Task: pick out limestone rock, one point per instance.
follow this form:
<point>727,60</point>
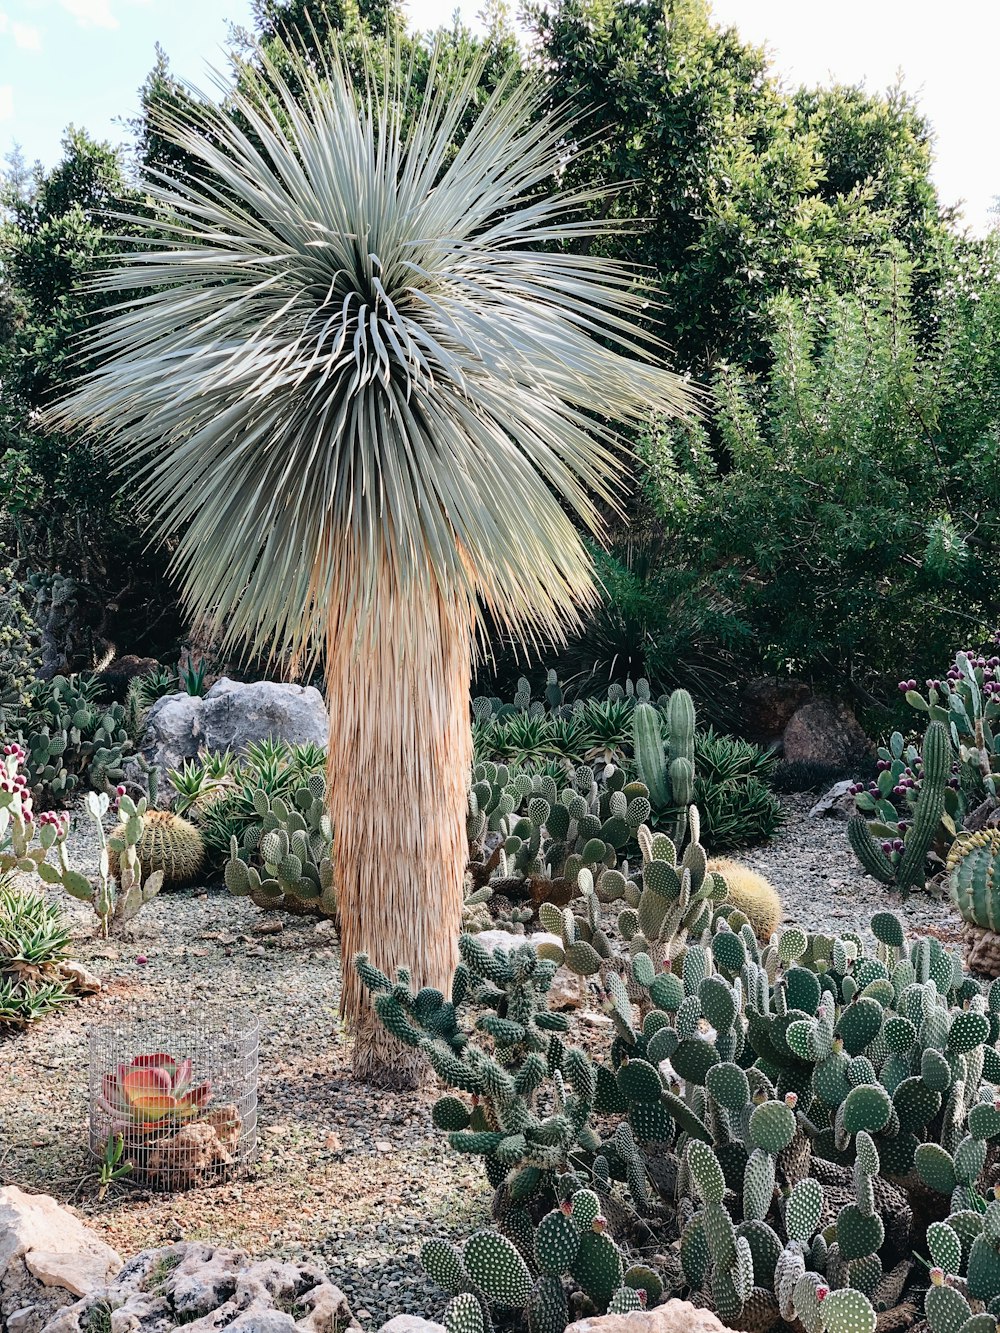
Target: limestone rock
<point>173,731</point>
<point>206,1288</point>
<point>231,716</point>
<point>837,803</point>
<point>411,1323</point>
<point>82,981</point>
<point>672,1317</point>
<point>47,1257</point>
<point>825,732</point>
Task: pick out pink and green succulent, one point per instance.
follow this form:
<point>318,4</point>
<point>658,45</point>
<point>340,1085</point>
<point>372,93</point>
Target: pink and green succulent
<point>154,1092</point>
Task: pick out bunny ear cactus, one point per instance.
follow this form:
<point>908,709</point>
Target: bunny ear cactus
<point>490,1274</point>
<point>293,858</point>
<point>741,1081</point>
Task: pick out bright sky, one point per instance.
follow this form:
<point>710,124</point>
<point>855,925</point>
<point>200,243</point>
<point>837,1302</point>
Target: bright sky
<point>82,61</point>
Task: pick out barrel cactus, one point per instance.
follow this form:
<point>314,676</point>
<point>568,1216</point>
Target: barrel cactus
<point>169,845</point>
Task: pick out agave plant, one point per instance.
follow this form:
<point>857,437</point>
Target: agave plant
<point>154,1092</point>
<point>400,370</point>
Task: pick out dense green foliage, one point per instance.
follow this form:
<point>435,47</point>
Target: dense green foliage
<point>849,519</point>
<point>61,512</point>
<point>735,190</point>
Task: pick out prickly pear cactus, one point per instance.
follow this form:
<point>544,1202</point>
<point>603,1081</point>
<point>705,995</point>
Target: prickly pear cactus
<point>292,867</point>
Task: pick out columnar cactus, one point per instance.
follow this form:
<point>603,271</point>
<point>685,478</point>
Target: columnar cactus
<point>664,756</point>
<point>906,865</point>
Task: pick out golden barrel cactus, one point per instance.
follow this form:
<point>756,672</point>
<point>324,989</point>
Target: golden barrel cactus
<point>751,894</point>
<point>169,844</point>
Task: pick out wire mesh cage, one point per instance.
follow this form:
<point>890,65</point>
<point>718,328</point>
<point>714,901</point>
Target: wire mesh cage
<point>181,1091</point>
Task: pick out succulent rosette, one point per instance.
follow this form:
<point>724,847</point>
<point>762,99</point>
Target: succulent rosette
<point>154,1092</point>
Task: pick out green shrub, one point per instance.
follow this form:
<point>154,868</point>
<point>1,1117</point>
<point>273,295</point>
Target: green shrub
<point>841,513</point>
<point>20,657</point>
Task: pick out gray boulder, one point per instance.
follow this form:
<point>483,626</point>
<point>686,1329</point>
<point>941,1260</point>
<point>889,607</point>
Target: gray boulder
<point>825,732</point>
<point>206,1288</point>
<point>231,716</point>
<point>837,803</point>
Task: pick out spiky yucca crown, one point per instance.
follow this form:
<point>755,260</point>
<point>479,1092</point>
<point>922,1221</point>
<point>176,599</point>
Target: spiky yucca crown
<point>751,894</point>
<point>168,843</point>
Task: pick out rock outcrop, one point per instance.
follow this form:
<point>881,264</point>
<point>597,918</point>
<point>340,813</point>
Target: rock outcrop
<point>48,1259</point>
<point>232,716</point>
<point>206,1288</point>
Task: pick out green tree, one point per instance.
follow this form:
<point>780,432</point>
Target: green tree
<point>62,515</point>
<point>381,418</point>
<point>727,188</point>
<point>852,533</point>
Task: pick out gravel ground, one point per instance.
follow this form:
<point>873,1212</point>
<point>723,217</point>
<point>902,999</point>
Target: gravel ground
<point>822,886</point>
<point>356,1177</point>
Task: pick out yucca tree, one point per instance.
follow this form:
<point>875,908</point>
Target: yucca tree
<point>377,385</point>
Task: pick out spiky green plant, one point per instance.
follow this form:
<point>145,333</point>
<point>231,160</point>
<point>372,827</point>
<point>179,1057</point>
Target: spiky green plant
<point>398,376</point>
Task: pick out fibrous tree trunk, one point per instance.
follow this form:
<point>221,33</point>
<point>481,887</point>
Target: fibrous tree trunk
<point>398,766</point>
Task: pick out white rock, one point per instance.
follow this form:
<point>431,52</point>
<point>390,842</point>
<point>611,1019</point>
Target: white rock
<point>503,939</point>
<point>411,1323</point>
<point>207,1288</point>
<point>57,1249</point>
<point>231,716</point>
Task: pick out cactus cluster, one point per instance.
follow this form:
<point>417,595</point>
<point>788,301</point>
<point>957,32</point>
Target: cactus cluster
<point>565,833</point>
<point>724,776</point>
<point>72,739</point>
<point>26,842</point>
<point>964,1292</point>
<point>664,755</point>
<point>795,1108</point>
<point>921,800</point>
<point>567,1261</point>
<point>902,860</point>
<point>287,861</point>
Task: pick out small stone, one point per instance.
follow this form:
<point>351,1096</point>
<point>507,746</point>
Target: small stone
<point>269,928</point>
<point>383,1145</point>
